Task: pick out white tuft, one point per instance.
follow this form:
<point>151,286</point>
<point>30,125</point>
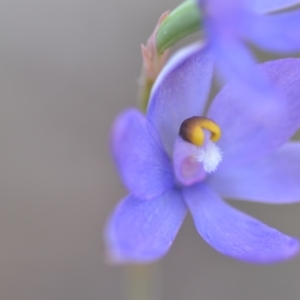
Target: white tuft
<point>210,156</point>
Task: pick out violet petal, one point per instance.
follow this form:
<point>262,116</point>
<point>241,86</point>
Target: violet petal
<point>252,128</point>
<point>274,179</point>
<point>143,231</point>
<point>187,168</point>
<point>143,165</point>
<point>266,6</point>
<point>180,92</point>
<point>235,62</point>
<point>234,233</point>
<point>224,23</point>
<point>269,34</point>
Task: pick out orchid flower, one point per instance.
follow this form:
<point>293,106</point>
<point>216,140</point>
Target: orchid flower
<point>179,158</point>
<point>228,24</point>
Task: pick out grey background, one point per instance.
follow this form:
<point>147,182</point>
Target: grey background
<point>67,68</point>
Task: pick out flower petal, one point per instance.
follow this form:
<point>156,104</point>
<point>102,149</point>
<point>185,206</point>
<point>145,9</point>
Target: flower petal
<point>257,6</point>
<point>252,128</point>
<point>274,179</point>
<point>235,62</point>
<point>234,233</point>
<point>233,59</point>
<point>144,167</point>
<point>143,231</point>
<point>224,22</point>
<point>187,168</point>
<point>180,92</point>
<point>266,6</point>
<point>269,34</point>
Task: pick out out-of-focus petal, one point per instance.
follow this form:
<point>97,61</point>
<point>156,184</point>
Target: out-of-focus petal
<point>256,6</point>
<point>143,231</point>
<point>187,168</point>
<point>235,62</point>
<point>180,92</point>
<point>234,233</point>
<point>274,179</point>
<point>222,10</point>
<point>277,33</point>
<point>254,127</point>
<point>143,165</point>
<point>266,6</point>
<point>224,22</point>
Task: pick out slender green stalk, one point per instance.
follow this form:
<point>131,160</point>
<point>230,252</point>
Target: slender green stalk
<point>171,28</point>
<point>144,95</point>
<point>143,282</point>
<point>181,22</point>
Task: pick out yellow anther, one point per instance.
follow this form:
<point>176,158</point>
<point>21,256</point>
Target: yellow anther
<point>197,136</point>
<point>210,125</point>
<point>191,130</point>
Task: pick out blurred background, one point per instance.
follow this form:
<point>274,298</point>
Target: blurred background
<point>67,68</point>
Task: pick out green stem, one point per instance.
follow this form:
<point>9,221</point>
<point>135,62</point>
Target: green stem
<point>144,95</point>
<point>181,22</point>
<point>143,282</point>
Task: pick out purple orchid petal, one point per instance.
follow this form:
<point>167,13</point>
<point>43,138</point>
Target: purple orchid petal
<point>252,128</point>
<point>274,179</point>
<point>269,33</point>
<point>180,92</point>
<point>187,168</point>
<point>265,6</point>
<point>256,6</point>
<point>143,231</point>
<point>234,233</point>
<point>224,21</point>
<point>232,58</point>
<point>235,62</point>
<point>144,167</point>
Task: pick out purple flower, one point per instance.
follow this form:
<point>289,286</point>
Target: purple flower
<point>229,23</point>
<point>267,6</point>
<point>166,174</point>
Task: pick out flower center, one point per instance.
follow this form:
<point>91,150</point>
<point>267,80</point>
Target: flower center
<point>195,152</point>
<point>210,156</point>
<point>192,130</point>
